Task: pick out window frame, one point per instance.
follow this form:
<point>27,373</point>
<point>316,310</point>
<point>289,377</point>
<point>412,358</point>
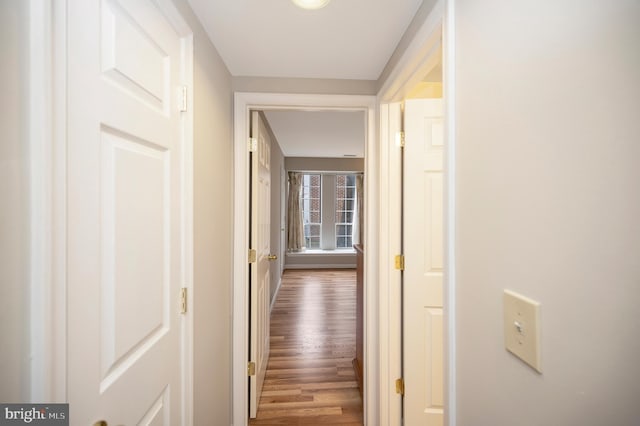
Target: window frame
<point>328,211</point>
<point>346,212</point>
<point>307,199</point>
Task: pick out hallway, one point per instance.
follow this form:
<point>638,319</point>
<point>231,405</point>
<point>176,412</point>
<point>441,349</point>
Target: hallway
<point>310,379</point>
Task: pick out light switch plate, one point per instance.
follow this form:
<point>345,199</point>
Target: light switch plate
<point>522,328</point>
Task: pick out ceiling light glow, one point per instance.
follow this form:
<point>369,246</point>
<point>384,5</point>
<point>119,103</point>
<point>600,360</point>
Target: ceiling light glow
<point>311,4</point>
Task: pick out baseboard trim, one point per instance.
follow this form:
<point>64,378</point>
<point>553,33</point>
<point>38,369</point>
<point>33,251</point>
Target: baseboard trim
<point>321,266</point>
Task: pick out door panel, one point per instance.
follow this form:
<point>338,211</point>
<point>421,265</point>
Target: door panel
<point>131,59</point>
<point>260,270</point>
<point>135,186</point>
<point>125,214</point>
<point>423,274</point>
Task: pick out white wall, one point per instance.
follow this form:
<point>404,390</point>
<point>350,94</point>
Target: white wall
<point>548,204</point>
<point>14,207</point>
<point>212,229</point>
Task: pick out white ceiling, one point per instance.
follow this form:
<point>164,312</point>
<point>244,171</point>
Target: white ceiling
<point>347,39</point>
<point>319,133</point>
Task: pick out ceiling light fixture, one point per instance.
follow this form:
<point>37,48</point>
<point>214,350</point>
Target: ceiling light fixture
<point>311,4</point>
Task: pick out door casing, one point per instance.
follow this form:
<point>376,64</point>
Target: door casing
<point>243,103</point>
<point>47,143</point>
<point>434,37</point>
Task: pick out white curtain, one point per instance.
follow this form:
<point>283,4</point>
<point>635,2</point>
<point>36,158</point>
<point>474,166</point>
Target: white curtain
<point>357,230</point>
<point>295,234</point>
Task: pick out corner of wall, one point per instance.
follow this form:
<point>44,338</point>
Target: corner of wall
<point>213,239</point>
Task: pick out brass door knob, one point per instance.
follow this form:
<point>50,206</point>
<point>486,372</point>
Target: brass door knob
<point>100,423</point>
<point>272,257</point>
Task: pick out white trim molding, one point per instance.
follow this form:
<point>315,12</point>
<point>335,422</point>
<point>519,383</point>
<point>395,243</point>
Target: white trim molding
<point>47,200</point>
<point>244,103</point>
<point>449,81</point>
<point>390,278</point>
<point>435,37</point>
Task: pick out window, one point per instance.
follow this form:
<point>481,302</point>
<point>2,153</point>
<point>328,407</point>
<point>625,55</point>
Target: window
<point>328,203</point>
<point>345,205</point>
<point>311,210</point>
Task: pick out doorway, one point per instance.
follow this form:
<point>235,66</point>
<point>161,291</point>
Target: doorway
<point>427,55</point>
<point>321,154</point>
<point>244,103</point>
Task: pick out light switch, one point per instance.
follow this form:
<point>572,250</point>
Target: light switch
<point>522,328</point>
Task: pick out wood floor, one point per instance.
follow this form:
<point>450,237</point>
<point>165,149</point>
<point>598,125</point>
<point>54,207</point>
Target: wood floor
<point>310,379</point>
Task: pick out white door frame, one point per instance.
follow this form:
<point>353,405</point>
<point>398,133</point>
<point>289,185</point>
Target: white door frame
<point>47,201</point>
<point>435,36</point>
<point>244,102</point>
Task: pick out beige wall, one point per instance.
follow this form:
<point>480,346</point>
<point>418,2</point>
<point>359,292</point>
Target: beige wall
<point>212,228</point>
<point>14,207</point>
<point>548,205</point>
<point>304,85</point>
<point>302,164</point>
<point>426,90</point>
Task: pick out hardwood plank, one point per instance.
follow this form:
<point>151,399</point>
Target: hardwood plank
<point>310,378</point>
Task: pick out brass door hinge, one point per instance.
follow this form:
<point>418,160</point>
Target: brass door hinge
<point>251,368</point>
<point>253,255</point>
<point>400,139</point>
<point>399,262</point>
<point>400,386</point>
<point>253,144</point>
<point>183,300</point>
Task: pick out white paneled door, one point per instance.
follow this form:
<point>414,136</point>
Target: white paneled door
<point>260,268</point>
<point>125,209</point>
<point>423,274</point>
